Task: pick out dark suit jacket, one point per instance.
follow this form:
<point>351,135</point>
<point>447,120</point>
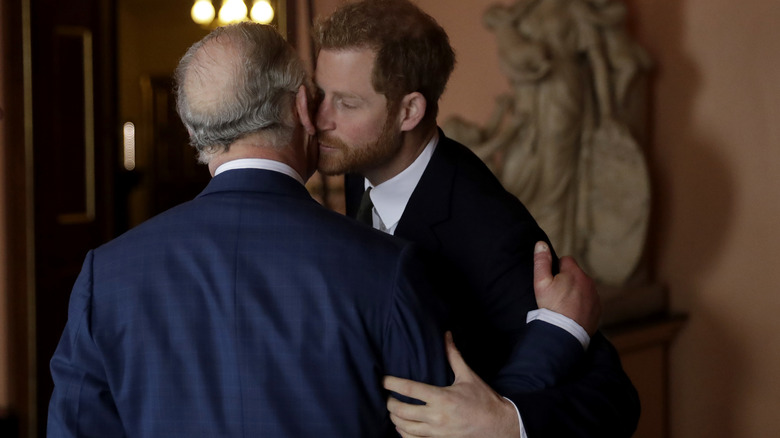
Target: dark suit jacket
<point>481,237</point>
<point>250,311</point>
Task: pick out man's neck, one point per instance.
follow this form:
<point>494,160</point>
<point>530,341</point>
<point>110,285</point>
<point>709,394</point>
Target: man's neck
<point>255,146</point>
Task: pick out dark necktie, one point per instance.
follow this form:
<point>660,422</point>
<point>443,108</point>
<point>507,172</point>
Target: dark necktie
<point>366,208</point>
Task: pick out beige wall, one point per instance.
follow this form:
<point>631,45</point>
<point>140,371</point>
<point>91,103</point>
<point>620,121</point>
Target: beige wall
<point>716,159</point>
<point>715,162</point>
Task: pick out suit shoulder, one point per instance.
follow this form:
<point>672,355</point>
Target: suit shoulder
<point>152,228</point>
<point>351,230</point>
<point>476,191</point>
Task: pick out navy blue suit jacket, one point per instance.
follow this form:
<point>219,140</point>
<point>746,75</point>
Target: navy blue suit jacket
<point>480,240</point>
<point>249,311</point>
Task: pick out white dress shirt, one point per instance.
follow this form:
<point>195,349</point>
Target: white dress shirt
<point>390,197</point>
<point>259,163</point>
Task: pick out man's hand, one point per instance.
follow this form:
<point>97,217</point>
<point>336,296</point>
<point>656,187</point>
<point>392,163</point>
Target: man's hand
<point>571,293</point>
<point>468,408</point>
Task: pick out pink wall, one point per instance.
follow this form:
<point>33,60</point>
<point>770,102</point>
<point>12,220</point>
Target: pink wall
<point>715,163</point>
<point>716,159</point>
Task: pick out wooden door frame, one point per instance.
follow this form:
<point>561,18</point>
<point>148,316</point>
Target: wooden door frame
<point>17,208</point>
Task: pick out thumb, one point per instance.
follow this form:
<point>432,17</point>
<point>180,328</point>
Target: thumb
<point>542,266</point>
<point>458,365</point>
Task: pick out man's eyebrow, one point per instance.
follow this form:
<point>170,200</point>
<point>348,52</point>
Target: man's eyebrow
<point>347,95</point>
<point>341,94</point>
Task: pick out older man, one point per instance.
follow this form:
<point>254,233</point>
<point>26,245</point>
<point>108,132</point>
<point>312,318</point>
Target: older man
<point>250,311</point>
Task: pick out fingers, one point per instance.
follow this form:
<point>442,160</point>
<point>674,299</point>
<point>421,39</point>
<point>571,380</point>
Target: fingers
<point>405,411</point>
<point>410,388</point>
<point>584,303</point>
<point>409,420</point>
<point>542,266</point>
<point>576,276</point>
<point>409,429</point>
<point>568,264</point>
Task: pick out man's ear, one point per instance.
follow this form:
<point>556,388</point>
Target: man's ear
<point>302,106</point>
<point>412,110</point>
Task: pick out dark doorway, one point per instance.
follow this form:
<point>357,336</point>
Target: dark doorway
<point>74,158</point>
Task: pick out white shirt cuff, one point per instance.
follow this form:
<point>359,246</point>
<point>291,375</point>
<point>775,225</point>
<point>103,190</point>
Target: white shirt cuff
<point>561,321</point>
<point>520,419</point>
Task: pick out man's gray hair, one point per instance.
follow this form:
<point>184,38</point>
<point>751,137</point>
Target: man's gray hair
<point>239,79</point>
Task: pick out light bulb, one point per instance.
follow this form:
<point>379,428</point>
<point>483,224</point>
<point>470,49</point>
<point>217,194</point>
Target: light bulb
<point>232,11</point>
<point>202,12</point>
<point>262,12</point>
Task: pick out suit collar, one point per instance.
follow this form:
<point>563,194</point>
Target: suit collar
<point>259,163</point>
<point>256,180</point>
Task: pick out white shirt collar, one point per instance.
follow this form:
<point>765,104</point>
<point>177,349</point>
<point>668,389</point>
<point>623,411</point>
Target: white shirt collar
<point>390,197</point>
<point>259,163</point>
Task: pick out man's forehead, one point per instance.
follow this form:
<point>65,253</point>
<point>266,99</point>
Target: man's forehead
<point>344,65</point>
<point>364,56</point>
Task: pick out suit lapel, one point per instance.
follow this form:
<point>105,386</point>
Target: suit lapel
<point>354,186</point>
<point>429,205</point>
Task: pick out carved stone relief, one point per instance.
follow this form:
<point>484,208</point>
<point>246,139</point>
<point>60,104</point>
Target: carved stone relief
<point>568,138</point>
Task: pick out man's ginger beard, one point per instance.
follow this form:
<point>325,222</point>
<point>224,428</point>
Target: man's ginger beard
<point>359,158</point>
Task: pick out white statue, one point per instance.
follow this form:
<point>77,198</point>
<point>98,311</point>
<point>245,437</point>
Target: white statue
<point>566,140</point>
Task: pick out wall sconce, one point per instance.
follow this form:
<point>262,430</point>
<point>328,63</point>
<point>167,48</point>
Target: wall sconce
<point>231,11</point>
